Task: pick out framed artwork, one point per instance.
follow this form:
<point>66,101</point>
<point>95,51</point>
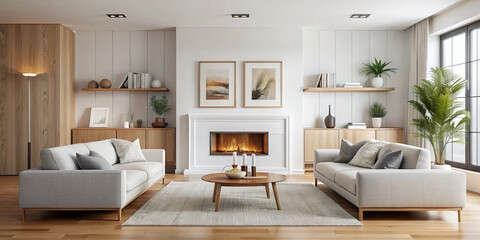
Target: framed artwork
<point>217,84</point>
<point>262,84</point>
<point>99,117</point>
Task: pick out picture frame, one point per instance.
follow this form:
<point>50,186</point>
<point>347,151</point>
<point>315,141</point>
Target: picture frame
<point>217,84</point>
<point>99,117</point>
<point>262,84</point>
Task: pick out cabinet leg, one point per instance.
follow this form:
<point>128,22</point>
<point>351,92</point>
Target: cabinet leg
<point>360,214</point>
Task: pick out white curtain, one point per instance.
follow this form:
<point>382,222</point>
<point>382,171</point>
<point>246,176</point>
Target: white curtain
<point>418,34</point>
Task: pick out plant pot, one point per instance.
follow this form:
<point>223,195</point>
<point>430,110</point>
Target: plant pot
<point>377,82</point>
<point>159,123</point>
<point>441,167</point>
<point>377,122</point>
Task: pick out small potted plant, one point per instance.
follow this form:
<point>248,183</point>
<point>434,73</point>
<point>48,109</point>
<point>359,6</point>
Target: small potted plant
<point>377,68</point>
<point>377,111</point>
<point>160,107</point>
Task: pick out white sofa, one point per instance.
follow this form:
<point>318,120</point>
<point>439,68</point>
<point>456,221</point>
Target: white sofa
<point>60,185</point>
<point>413,187</point>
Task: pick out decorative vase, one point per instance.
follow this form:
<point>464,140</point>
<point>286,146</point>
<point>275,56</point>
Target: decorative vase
<point>126,125</point>
<point>159,123</point>
<point>329,120</point>
<point>132,124</point>
<point>105,83</point>
<point>377,82</point>
<point>139,123</point>
<point>441,167</point>
<point>377,122</point>
<point>156,84</point>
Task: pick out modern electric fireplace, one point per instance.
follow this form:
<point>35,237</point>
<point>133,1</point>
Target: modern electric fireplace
<point>225,143</point>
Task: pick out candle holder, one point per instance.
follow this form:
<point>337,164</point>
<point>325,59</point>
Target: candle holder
<point>244,168</point>
<point>254,171</point>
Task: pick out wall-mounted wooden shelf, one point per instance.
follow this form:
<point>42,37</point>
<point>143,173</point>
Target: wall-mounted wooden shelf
<point>348,89</point>
<point>126,89</point>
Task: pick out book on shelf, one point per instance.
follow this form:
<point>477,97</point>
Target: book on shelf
<point>326,80</point>
<point>124,83</point>
<point>352,85</point>
<point>357,123</point>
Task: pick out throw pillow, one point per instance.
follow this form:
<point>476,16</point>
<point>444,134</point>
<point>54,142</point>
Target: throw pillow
<point>389,160</point>
<point>348,151</point>
<point>367,154</point>
<point>93,161</point>
<point>128,151</point>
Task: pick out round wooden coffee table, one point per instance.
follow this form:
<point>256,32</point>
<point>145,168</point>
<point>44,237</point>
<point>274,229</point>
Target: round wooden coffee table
<point>221,180</point>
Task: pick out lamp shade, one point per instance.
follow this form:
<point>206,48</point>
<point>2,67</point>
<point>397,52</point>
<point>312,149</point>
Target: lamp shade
<point>29,74</point>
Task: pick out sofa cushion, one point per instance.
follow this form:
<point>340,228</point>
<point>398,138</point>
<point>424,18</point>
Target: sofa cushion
<point>151,168</point>
<point>348,151</point>
<point>62,158</point>
<point>389,160</point>
<point>347,180</point>
<point>330,169</point>
<point>128,151</point>
<point>93,161</point>
<point>135,178</point>
<point>367,154</point>
<point>104,148</point>
<point>413,157</point>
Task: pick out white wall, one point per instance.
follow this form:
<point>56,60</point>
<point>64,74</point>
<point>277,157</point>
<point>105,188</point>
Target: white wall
<point>111,54</point>
<point>239,44</point>
<point>344,52</point>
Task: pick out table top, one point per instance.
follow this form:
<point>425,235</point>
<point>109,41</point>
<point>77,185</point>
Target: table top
<point>223,179</point>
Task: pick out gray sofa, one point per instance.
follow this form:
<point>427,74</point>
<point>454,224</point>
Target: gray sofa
<point>413,187</point>
<point>60,185</point>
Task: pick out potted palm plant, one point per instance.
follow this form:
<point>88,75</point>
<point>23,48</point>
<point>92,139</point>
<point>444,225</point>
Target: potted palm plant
<point>377,68</point>
<point>442,118</point>
<point>160,107</point>
<point>377,111</point>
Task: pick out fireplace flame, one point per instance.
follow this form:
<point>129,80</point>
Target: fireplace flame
<point>241,143</point>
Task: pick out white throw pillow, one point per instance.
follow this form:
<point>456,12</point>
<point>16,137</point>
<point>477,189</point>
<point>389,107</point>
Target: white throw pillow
<point>128,151</point>
<point>367,154</point>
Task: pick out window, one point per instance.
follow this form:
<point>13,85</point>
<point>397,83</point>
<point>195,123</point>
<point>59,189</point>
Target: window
<point>460,53</point>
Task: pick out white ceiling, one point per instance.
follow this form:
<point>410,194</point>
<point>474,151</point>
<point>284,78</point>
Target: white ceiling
<point>160,14</point>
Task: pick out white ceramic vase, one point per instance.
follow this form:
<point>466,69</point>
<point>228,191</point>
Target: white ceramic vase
<point>126,124</point>
<point>377,122</point>
<point>377,82</point>
<point>441,167</point>
<point>156,84</point>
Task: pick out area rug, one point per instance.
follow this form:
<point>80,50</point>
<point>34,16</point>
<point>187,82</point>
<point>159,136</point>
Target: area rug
<point>190,204</point>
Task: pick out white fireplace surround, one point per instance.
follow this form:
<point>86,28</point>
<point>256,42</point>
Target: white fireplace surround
<point>201,162</point>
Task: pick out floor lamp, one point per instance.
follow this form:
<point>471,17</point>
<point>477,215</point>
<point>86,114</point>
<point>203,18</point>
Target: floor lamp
<point>29,159</point>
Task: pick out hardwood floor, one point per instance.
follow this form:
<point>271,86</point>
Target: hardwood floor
<point>101,225</point>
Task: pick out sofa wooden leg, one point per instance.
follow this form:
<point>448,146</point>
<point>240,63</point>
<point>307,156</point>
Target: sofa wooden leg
<point>459,215</point>
<point>163,181</point>
<point>316,182</point>
<point>360,214</point>
<point>119,212</point>
<point>24,214</point>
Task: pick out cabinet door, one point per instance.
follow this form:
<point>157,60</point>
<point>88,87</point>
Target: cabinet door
<point>90,135</point>
<point>132,134</point>
<point>319,139</point>
<point>356,135</point>
<point>395,135</point>
<point>163,138</point>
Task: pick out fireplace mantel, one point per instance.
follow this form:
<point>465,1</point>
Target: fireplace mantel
<point>201,126</point>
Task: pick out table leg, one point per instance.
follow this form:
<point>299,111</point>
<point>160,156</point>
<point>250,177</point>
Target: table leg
<point>267,189</point>
<point>217,199</point>
<point>214,192</point>
<point>274,186</point>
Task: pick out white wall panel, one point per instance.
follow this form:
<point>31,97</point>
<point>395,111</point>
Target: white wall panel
<point>156,65</point>
<point>343,56</point>
<point>85,72</point>
<point>170,74</point>
<point>103,69</point>
<point>121,66</point>
<point>310,73</point>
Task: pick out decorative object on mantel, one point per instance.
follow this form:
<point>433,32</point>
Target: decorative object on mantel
<point>329,119</point>
<point>159,107</point>
<point>217,84</point>
<point>326,80</point>
<point>377,68</point>
<point>262,85</point>
<point>139,123</point>
<point>99,117</point>
<point>105,83</point>
<point>441,114</point>
<point>130,117</point>
<point>93,84</point>
<point>156,84</point>
<point>377,111</point>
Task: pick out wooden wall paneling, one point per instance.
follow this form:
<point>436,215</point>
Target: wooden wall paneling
<point>90,135</point>
<point>356,135</point>
<point>156,67</point>
<point>85,73</point>
<point>138,63</point>
<point>132,135</point>
<point>22,63</point>
<point>3,100</point>
<point>67,78</point>
<point>170,74</point>
<point>121,66</point>
<point>396,135</point>
<point>319,139</point>
<point>103,68</point>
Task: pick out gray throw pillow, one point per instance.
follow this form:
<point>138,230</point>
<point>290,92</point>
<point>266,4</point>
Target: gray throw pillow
<point>348,151</point>
<point>389,160</point>
<point>94,161</point>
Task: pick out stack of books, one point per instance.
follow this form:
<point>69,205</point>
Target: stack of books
<point>352,85</point>
<point>326,80</point>
<point>352,125</point>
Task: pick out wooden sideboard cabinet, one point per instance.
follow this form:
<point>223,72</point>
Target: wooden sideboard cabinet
<point>330,138</point>
<point>150,138</point>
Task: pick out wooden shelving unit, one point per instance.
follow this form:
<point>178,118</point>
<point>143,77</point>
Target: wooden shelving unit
<point>126,89</point>
<point>348,89</point>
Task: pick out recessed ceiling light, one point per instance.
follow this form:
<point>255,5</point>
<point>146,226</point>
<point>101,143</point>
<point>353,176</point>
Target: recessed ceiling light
<point>360,15</point>
<point>241,15</point>
<point>116,15</point>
